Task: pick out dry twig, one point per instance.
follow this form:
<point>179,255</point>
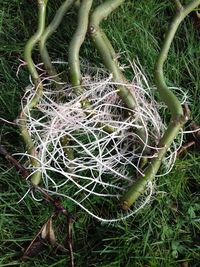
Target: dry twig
<point>37,244</point>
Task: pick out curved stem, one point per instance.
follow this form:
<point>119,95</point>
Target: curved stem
<point>109,58</point>
<point>75,45</point>
<point>178,4</point>
<point>140,186</point>
<point>34,39</point>
<point>178,117</point>
<point>36,177</point>
<point>166,95</point>
<point>74,48</point>
<point>106,50</point>
<point>103,11</point>
<point>48,32</point>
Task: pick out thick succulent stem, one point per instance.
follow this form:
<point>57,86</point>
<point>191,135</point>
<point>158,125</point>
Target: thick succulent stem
<point>74,48</point>
<point>109,58</point>
<point>138,187</point>
<point>52,27</point>
<point>106,50</point>
<point>177,119</point>
<point>36,177</point>
<point>75,45</point>
<point>73,60</point>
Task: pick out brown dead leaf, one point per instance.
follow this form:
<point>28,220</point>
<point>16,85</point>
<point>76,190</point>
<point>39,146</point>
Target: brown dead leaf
<point>47,232</point>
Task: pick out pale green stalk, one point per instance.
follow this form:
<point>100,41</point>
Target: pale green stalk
<point>75,45</point>
<point>106,50</point>
<point>109,57</point>
<point>178,117</point>
<point>74,49</point>
<point>36,177</point>
<point>52,27</point>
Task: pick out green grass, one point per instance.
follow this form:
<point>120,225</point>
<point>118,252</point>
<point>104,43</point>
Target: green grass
<point>167,231</point>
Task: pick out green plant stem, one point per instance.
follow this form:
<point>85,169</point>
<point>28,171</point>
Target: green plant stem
<point>73,59</point>
<point>74,48</point>
<point>109,57</point>
<point>178,4</point>
<point>140,186</point>
<point>34,39</point>
<point>52,27</point>
<point>106,50</point>
<point>177,119</point>
<point>36,177</point>
<point>75,45</point>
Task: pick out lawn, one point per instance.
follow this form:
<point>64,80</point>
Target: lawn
<point>166,232</point>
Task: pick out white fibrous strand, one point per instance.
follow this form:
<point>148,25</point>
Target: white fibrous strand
<point>82,161</point>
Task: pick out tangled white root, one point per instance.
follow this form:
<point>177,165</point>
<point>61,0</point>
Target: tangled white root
<point>81,161</point>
